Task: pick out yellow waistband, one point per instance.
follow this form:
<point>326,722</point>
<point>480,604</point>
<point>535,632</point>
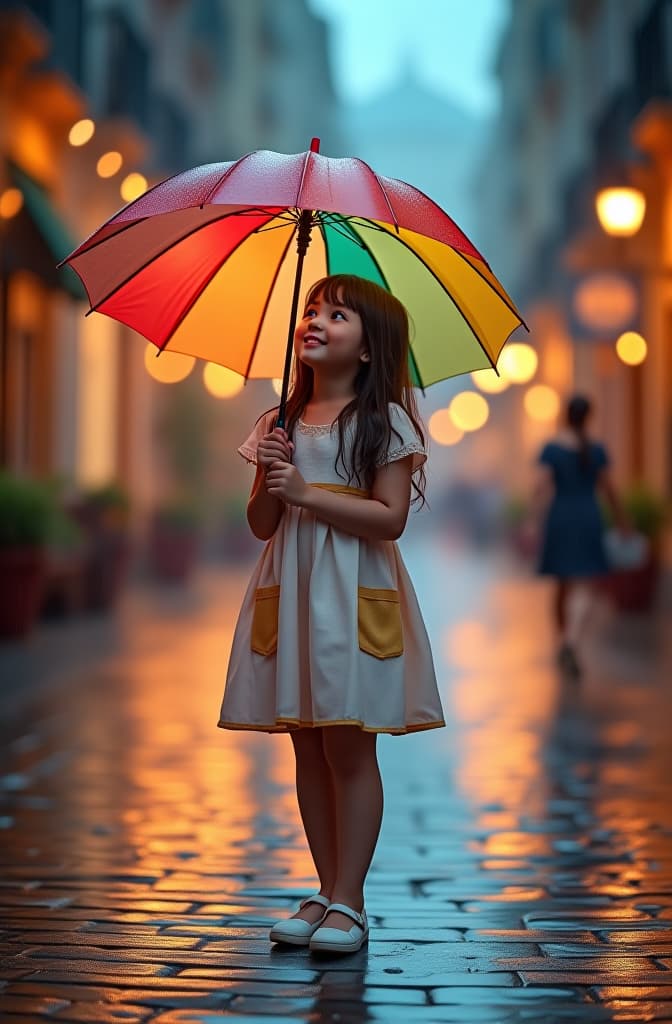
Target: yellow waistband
<point>357,492</point>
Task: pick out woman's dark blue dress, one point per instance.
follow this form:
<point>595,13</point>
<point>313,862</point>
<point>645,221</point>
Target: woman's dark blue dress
<point>573,542</point>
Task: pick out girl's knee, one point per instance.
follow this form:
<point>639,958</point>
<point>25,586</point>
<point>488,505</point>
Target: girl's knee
<point>349,750</point>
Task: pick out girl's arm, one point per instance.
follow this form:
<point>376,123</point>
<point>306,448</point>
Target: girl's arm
<point>263,510</point>
<point>381,517</point>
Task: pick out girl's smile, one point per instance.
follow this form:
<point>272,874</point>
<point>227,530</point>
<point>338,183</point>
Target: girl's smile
<point>334,328</point>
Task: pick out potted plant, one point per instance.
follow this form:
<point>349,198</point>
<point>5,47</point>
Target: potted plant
<point>174,539</point>
<point>67,552</point>
<point>635,589</point>
<point>103,513</point>
<point>25,521</point>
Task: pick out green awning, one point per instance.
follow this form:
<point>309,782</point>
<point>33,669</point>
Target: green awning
<point>52,232</point>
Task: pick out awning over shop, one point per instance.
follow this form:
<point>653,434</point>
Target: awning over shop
<point>37,238</point>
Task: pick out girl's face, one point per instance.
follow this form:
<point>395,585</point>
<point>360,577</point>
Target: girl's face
<point>330,338</point>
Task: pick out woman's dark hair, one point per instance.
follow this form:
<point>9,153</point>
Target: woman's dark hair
<point>578,410</point>
<point>383,379</point>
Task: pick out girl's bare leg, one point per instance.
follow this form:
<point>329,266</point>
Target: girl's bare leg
<point>314,790</point>
<point>351,755</point>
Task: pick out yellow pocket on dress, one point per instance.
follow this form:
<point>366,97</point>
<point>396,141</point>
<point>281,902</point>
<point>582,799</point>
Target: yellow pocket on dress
<point>264,637</point>
<point>379,622</point>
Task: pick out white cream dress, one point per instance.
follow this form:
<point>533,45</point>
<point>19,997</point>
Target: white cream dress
<point>330,631</point>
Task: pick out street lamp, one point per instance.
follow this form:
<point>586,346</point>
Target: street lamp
<point>620,210</point>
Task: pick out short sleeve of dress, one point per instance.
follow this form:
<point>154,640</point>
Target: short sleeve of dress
<point>403,440</point>
<point>546,456</point>
<point>601,456</point>
<point>248,448</point>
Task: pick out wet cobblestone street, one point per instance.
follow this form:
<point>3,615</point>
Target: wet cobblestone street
<point>524,871</point>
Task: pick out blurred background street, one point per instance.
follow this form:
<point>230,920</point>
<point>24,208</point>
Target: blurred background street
<point>524,867</point>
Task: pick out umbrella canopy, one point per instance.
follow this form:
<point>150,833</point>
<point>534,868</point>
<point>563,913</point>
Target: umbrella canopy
<point>205,263</point>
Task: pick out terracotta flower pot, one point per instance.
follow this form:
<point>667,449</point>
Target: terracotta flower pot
<point>22,584</point>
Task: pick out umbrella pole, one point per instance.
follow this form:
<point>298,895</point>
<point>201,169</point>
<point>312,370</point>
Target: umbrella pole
<point>302,243</point>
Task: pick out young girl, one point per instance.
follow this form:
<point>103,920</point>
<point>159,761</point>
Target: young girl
<point>330,644</point>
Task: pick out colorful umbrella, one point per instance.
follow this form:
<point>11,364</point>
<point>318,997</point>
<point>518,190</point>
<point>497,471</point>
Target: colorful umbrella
<point>205,263</point>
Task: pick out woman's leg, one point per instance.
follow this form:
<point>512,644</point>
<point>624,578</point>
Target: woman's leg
<point>579,610</point>
<point>314,790</point>
<point>351,755</point>
<point>560,605</point>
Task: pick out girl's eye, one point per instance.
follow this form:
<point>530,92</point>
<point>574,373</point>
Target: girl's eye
<point>310,312</point>
<point>337,312</point>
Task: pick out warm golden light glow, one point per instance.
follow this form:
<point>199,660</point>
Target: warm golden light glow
<point>442,428</point>
<point>488,381</point>
<point>109,164</point>
<point>222,382</point>
<point>620,210</point>
<point>81,132</point>
<point>276,384</point>
<point>518,363</point>
<point>167,367</point>
<point>542,403</point>
<point>132,186</point>
<point>469,410</point>
<point>631,348</point>
<point>11,202</point>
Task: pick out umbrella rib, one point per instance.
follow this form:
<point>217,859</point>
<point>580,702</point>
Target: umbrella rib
<point>297,204</point>
<point>194,299</point>
<point>509,305</point>
<point>266,305</point>
<point>222,178</point>
<point>383,278</point>
<point>417,255</point>
<point>384,191</point>
<point>119,211</point>
<point>156,256</point>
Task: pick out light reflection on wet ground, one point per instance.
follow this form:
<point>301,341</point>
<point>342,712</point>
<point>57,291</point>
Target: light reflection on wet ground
<point>524,869</point>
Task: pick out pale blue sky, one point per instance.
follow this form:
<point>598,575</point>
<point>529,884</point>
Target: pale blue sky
<point>450,43</point>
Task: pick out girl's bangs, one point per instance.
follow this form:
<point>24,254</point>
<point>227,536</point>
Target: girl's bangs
<point>337,292</point>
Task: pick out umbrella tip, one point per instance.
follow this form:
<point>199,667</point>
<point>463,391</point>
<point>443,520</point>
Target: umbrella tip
<point>314,145</point>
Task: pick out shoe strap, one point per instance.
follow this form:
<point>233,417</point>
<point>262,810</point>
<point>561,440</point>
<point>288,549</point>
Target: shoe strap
<point>317,898</point>
<point>349,912</point>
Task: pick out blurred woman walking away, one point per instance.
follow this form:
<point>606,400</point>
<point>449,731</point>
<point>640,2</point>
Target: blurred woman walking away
<point>573,472</point>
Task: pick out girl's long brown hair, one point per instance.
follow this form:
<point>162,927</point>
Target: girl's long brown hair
<point>385,378</point>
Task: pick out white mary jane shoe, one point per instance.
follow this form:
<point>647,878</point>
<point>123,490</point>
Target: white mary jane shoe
<point>296,931</point>
<point>335,940</point>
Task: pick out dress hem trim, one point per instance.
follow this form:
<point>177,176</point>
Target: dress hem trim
<point>283,725</point>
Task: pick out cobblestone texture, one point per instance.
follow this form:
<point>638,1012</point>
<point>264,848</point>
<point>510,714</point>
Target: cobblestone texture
<point>524,872</point>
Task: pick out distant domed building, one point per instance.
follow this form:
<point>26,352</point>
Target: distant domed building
<point>413,133</point>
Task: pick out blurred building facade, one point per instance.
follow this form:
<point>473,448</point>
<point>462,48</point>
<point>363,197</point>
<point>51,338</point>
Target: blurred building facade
<point>169,84</point>
<point>586,102</point>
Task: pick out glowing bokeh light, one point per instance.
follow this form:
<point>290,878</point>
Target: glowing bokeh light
<point>443,429</point>
<point>469,410</point>
<point>631,348</point>
<point>518,363</point>
<point>620,210</point>
<point>81,132</point>
<point>109,164</point>
<point>132,186</point>
<point>542,403</point>
<point>488,381</point>
<point>222,382</point>
<point>11,202</point>
<point>276,384</point>
<point>167,367</point>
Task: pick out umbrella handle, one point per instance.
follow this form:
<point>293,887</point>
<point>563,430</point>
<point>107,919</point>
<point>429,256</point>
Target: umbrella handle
<point>302,243</point>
